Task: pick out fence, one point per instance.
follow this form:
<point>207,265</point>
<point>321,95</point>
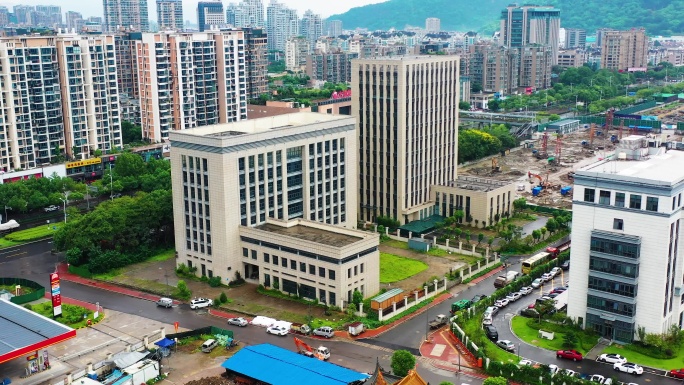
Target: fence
<point>212,330</point>
<point>412,299</point>
<point>37,293</point>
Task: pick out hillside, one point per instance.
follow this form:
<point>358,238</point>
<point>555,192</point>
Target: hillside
<point>659,17</point>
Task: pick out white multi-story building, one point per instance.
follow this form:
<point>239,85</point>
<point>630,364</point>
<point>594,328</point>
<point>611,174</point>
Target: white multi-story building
<point>170,15</point>
<point>296,50</point>
<point>273,200</point>
<point>129,14</point>
<point>59,94</point>
<point>246,14</point>
<point>627,268</point>
<point>334,28</point>
<point>432,24</point>
<point>282,23</point>
<point>311,27</point>
<point>190,80</point>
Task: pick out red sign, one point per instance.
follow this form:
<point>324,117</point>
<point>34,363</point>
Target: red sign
<point>341,94</point>
<point>175,326</point>
<point>56,294</point>
<point>32,357</point>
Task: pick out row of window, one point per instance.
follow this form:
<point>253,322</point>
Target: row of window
<point>611,267</point>
<point>613,287</point>
<point>635,200</point>
<point>619,249</point>
<point>303,267</point>
<point>611,306</point>
<point>302,290</point>
<point>309,254</point>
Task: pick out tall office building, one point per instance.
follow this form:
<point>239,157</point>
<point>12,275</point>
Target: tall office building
<point>622,50</point>
<point>210,14</point>
<point>23,14</point>
<point>74,21</point>
<point>64,95</point>
<point>311,27</point>
<point>190,80</point>
<point>48,16</point>
<point>273,200</point>
<point>247,13</point>
<point>575,38</point>
<point>530,24</point>
<point>334,28</point>
<point>403,150</point>
<point>626,225</point>
<point>282,23</point>
<point>432,24</point>
<point>256,57</point>
<point>128,14</point>
<point>170,15</point>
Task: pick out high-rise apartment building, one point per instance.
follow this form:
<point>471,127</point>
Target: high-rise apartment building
<point>622,50</point>
<point>128,14</point>
<point>282,23</point>
<point>334,28</point>
<point>627,267</point>
<point>432,24</point>
<point>575,38</point>
<point>535,67</point>
<point>190,80</point>
<point>256,57</point>
<point>210,14</point>
<point>273,200</point>
<point>74,21</point>
<point>332,67</point>
<point>126,66</point>
<point>4,16</point>
<point>247,13</point>
<point>23,14</point>
<point>311,27</point>
<point>296,51</point>
<point>63,97</point>
<point>600,33</point>
<point>495,68</point>
<point>47,16</point>
<point>530,24</point>
<point>403,151</point>
<point>170,15</point>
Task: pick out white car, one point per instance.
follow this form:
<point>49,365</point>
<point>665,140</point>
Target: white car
<point>277,330</point>
<point>506,345</point>
<point>491,311</point>
<point>239,321</point>
<point>555,271</point>
<point>198,303</point>
<point>612,358</point>
<point>600,379</point>
<point>503,302</point>
<point>536,283</point>
<point>554,369</point>
<point>51,208</point>
<point>525,362</point>
<point>514,297</point>
<point>546,277</point>
<point>487,319</point>
<point>570,372</point>
<point>629,367</point>
<point>525,290</point>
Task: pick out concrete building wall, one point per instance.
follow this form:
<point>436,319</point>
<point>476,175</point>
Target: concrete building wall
<point>481,204</point>
<point>621,50</point>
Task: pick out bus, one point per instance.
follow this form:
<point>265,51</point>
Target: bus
<point>534,261</point>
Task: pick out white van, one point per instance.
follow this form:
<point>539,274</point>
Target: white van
<point>209,345</point>
<point>504,280</point>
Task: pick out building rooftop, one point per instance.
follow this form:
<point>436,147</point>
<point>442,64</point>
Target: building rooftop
<point>312,234</point>
<point>562,122</point>
<point>476,183</point>
<point>659,169</point>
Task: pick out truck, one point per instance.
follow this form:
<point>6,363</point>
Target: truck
<point>321,352</point>
<point>356,328</point>
<point>504,280</point>
<point>300,328</point>
<point>460,305</point>
<point>439,321</point>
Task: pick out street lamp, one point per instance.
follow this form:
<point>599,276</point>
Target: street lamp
<point>519,347</point>
<point>427,323</point>
<point>65,203</point>
<point>111,183</point>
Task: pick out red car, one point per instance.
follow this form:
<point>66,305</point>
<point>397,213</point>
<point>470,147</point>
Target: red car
<point>569,354</point>
<point>677,373</point>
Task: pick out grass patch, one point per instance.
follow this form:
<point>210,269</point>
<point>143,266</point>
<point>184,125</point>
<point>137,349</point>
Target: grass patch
<point>33,234</point>
<point>72,315</point>
<point>7,243</point>
<point>162,256</point>
<point>437,252</point>
<point>12,288</point>
<point>525,331</point>
<point>394,268</point>
<point>642,359</point>
<point>396,244</point>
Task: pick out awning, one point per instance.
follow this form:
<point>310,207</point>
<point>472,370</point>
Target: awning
<point>165,343</point>
<point>126,359</point>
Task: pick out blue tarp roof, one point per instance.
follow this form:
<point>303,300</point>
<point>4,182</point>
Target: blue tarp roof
<point>288,368</point>
<point>165,343</point>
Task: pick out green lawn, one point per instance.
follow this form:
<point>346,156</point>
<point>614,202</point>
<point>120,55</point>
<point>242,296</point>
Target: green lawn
<point>72,315</point>
<point>642,359</point>
<point>396,244</point>
<point>162,256</point>
<point>530,335</point>
<point>32,234</point>
<point>394,268</point>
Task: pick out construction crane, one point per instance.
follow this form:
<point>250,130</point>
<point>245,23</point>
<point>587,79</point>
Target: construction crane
<point>543,151</point>
<point>557,152</point>
<point>322,353</point>
<point>610,115</point>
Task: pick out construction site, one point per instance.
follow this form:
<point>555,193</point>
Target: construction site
<point>543,167</point>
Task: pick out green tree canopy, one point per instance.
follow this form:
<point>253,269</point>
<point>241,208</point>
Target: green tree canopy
<point>402,362</point>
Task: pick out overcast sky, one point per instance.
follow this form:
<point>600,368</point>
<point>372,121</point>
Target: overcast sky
<point>94,7</point>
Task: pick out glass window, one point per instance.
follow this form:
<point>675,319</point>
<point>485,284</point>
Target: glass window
<point>312,269</point>
<point>321,272</point>
<point>267,258</point>
<point>619,199</point>
<point>589,194</point>
<point>331,274</point>
<point>302,267</point>
<point>254,254</point>
<point>362,268</point>
<point>634,201</point>
<point>651,203</point>
<point>618,224</point>
<point>293,264</point>
<point>275,259</point>
<point>283,262</point>
<point>604,197</point>
<point>245,252</point>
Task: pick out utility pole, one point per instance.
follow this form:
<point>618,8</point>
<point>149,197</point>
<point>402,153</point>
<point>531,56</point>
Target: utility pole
<point>111,183</point>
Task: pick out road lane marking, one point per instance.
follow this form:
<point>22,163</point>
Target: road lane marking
<point>437,350</point>
<point>14,255</point>
<point>10,251</point>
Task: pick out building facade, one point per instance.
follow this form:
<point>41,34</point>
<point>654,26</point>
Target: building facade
<point>402,150</point>
<point>60,96</point>
<point>210,15</point>
<point>311,27</point>
<point>333,67</point>
<point>256,55</point>
<point>570,58</point>
<point>535,68</point>
<point>128,14</point>
<point>495,68</point>
<point>170,15</point>
<point>622,50</point>
<point>432,24</point>
<point>575,38</point>
<point>530,24</point>
<point>189,80</point>
<point>334,28</point>
<point>282,23</point>
<point>74,21</point>
<point>483,200</point>
<point>285,180</point>
<point>247,13</point>
<point>627,268</point>
<point>296,51</point>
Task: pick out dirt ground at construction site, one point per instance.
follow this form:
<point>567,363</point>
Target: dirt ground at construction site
<point>528,168</point>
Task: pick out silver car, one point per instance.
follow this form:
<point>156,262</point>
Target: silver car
<point>239,321</point>
<point>198,303</point>
<point>324,331</point>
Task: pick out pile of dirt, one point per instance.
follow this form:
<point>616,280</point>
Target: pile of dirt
<point>211,381</point>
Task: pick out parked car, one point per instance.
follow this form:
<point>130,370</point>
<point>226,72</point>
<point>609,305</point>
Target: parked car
<point>554,369</point>
<point>569,354</point>
<point>198,303</point>
<point>277,330</point>
<point>555,271</point>
<point>559,289</point>
<point>525,362</point>
<point>502,303</point>
<point>506,345</point>
<point>529,313</point>
<point>570,372</point>
<point>536,283</point>
<point>478,298</point>
<point>676,373</point>
<point>492,310</point>
<point>51,208</point>
<point>600,379</point>
<point>525,290</point>
<point>491,332</point>
<point>566,265</point>
<point>553,294</point>
<point>514,297</point>
<point>239,321</point>
<point>165,302</point>
<point>324,331</point>
<point>629,367</point>
<point>612,358</point>
<point>209,345</point>
<point>546,277</point>
<point>487,319</point>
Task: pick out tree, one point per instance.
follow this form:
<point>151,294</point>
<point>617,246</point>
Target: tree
<point>357,298</point>
<point>475,87</point>
<point>480,237</point>
<point>402,362</point>
<point>519,204</point>
<point>130,132</point>
<point>494,105</point>
<point>551,225</point>
<point>554,117</point>
<point>446,383</point>
<point>570,340</point>
<point>536,234</point>
<point>543,232</point>
<point>463,105</point>
<point>495,381</point>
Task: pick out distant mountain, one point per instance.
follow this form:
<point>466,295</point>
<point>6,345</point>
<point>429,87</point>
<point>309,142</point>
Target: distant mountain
<point>659,17</point>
